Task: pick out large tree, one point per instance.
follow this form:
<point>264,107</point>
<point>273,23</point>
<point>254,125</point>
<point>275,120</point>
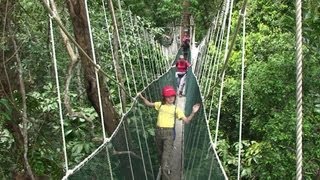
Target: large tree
<point>79,19</point>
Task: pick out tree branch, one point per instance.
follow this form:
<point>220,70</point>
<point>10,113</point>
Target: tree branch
<point>73,61</point>
<point>126,152</point>
<point>24,112</point>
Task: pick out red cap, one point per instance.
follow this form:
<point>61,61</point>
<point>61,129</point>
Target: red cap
<point>168,91</point>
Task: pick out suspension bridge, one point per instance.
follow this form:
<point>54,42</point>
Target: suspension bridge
<point>129,152</point>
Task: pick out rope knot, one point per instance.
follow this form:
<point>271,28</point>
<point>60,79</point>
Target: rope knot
<point>98,67</point>
<point>106,140</point>
<point>53,15</point>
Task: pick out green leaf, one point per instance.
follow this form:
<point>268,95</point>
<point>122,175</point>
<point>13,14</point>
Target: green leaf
<point>76,150</point>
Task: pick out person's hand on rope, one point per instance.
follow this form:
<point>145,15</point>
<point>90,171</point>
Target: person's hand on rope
<point>139,95</point>
<point>146,101</point>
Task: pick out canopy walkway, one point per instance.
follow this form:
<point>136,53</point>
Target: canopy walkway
<point>130,152</point>
<point>139,158</point>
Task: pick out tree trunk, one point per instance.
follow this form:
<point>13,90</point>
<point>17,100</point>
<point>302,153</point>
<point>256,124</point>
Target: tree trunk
<point>8,77</point>
<point>11,79</point>
<point>80,26</point>
<point>185,18</point>
<point>186,13</point>
<point>25,121</point>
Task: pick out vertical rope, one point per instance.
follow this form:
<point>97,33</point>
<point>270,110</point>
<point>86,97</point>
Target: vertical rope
<point>88,158</point>
<point>213,58</point>
<point>161,58</point>
<point>203,58</point>
<point>207,60</point>
<point>140,147</point>
<point>59,96</point>
<point>95,71</point>
<point>64,29</point>
<point>223,17</point>
<point>151,54</point>
<point>120,47</point>
<point>109,162</point>
<point>203,150</point>
<point>156,58</point>
<point>126,74</point>
<point>216,61</point>
<point>223,74</point>
<point>299,114</point>
<point>146,140</point>
<point>112,53</point>
<point>165,58</point>
<point>142,56</point>
<point>137,50</point>
<point>241,93</point>
<point>211,165</point>
<point>128,49</point>
<point>195,142</point>
<point>212,145</point>
<point>127,144</point>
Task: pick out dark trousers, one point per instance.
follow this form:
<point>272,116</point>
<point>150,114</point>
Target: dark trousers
<point>185,46</point>
<point>164,142</point>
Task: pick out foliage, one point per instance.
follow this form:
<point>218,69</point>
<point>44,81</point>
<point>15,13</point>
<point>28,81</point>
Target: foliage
<point>269,98</point>
<point>203,12</point>
<point>83,135</point>
<point>6,140</point>
<point>157,13</point>
<point>269,111</point>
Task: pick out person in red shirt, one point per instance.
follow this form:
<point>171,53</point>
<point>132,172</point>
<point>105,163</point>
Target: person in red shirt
<point>182,66</point>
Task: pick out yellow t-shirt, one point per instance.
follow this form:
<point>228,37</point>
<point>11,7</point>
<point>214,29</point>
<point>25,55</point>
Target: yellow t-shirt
<point>166,114</point>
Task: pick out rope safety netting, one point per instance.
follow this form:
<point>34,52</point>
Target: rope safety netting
<point>126,61</point>
<point>130,151</point>
<point>200,159</point>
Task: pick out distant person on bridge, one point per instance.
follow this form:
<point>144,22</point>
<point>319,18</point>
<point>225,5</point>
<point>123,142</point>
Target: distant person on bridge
<point>182,66</point>
<point>168,112</point>
<point>185,42</point>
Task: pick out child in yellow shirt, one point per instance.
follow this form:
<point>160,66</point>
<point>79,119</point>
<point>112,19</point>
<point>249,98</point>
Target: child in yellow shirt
<point>167,113</point>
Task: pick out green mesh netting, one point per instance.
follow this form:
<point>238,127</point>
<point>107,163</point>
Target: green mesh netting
<point>199,159</point>
<point>138,128</point>
<point>132,150</point>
